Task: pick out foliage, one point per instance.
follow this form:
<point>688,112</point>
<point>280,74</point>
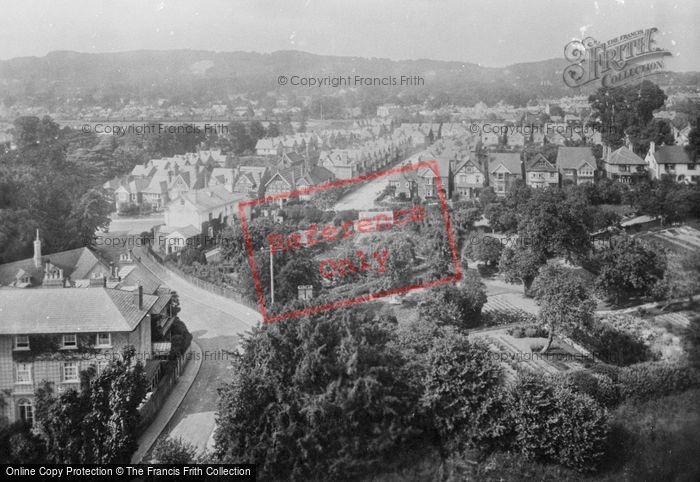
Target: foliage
<point>552,423</point>
<point>520,265</point>
<point>629,268</point>
<point>655,379</point>
<point>175,451</point>
<point>457,305</point>
<point>320,395</point>
<point>96,424</point>
<point>487,249</point>
<point>598,386</point>
<point>465,395</point>
<point>564,299</point>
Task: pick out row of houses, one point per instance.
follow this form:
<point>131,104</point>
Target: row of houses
<point>67,311</point>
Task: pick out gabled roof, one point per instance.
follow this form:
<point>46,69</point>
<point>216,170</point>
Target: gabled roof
<point>290,175</point>
<point>317,175</point>
<point>624,156</point>
<point>671,155</point>
<point>466,163</point>
<point>70,310</point>
<point>188,231</point>
<point>540,163</point>
<point>509,160</point>
<point>575,157</point>
<point>209,198</point>
<point>75,263</point>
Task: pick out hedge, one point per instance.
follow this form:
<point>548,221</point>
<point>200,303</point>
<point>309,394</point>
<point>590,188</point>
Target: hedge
<point>655,379</point>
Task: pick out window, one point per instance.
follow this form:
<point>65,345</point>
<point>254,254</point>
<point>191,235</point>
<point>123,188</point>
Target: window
<point>24,373</point>
<point>21,342</point>
<point>70,341</point>
<point>103,339</point>
<point>70,371</point>
<point>26,411</point>
<point>691,167</point>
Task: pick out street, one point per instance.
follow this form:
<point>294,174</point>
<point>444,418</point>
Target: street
<point>215,323</point>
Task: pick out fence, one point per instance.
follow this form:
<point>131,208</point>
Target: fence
<point>152,406</point>
<point>200,283</point>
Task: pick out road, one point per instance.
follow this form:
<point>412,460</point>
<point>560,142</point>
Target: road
<point>215,323</point>
<point>363,197</point>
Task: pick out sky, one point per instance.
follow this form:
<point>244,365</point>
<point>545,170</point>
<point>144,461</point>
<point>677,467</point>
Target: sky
<point>492,33</point>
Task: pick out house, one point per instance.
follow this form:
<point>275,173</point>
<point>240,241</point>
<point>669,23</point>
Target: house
<point>268,147</point>
<point>427,178</point>
<point>576,164</point>
<point>204,208</point>
<point>176,239</point>
<point>624,166</point>
<point>313,177</point>
<point>53,334</point>
<point>283,180</point>
<point>130,192</point>
<point>63,269</point>
<point>341,162</point>
<point>467,179</point>
<point>504,168</point>
<point>674,161</point>
<point>539,172</point>
<point>404,184</point>
<point>515,139</point>
<point>251,180</point>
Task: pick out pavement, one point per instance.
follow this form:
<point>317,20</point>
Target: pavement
<point>216,324</point>
<point>170,406</point>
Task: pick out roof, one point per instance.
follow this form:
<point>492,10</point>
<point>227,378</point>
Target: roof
<point>574,157</point>
<point>188,231</point>
<point>317,175</point>
<point>624,156</point>
<point>210,197</point>
<point>467,162</point>
<point>75,263</point>
<point>70,310</point>
<point>671,155</point>
<point>509,160</point>
<point>540,163</point>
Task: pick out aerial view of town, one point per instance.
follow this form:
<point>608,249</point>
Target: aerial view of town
<point>369,241</point>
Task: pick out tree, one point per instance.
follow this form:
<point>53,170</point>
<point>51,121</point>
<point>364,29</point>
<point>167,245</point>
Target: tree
<point>520,265</point>
<point>693,147</point>
<point>564,301</point>
<point>298,270</point>
<point>465,395</point>
<point>325,394</point>
<point>682,277</point>
<point>456,305</point>
<point>487,249</point>
<point>97,424</point>
<point>629,268</point>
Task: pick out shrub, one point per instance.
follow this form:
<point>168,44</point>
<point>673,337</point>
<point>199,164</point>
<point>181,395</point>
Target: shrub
<point>517,332</point>
<point>610,371</point>
<point>175,451</point>
<point>464,395</point>
<point>536,346</point>
<point>599,387</point>
<point>553,423</point>
<point>499,318</point>
<point>653,379</point>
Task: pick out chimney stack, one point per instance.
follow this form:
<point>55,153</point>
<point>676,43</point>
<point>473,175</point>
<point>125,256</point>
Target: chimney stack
<point>138,297</point>
<point>37,251</point>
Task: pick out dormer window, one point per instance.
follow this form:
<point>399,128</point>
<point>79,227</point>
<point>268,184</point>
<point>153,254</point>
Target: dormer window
<point>21,342</point>
<point>69,341</point>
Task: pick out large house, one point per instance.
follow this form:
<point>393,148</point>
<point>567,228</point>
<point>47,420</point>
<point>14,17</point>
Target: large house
<point>203,208</point>
<point>673,161</point>
<point>468,179</point>
<point>576,164</point>
<point>343,163</point>
<point>504,168</point>
<point>539,172</point>
<point>53,334</point>
<point>624,166</point>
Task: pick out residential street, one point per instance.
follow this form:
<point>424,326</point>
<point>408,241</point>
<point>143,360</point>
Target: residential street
<point>215,323</point>
<point>363,198</point>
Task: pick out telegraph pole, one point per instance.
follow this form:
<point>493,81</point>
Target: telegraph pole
<point>272,280</point>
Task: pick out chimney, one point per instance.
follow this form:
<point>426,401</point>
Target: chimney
<point>138,297</point>
<point>37,251</point>
<point>104,281</point>
<point>652,147</point>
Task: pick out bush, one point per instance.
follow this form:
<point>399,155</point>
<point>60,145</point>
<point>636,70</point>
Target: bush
<point>498,318</point>
<point>536,346</point>
<point>599,387</point>
<point>655,379</point>
<point>175,451</point>
<point>610,371</point>
<point>517,332</point>
<point>553,423</point>
<point>464,395</point>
